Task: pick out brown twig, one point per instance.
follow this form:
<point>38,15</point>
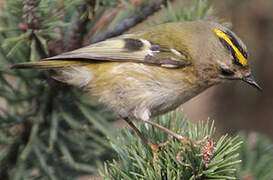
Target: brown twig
<point>79,29</point>
<point>128,23</point>
<point>107,18</point>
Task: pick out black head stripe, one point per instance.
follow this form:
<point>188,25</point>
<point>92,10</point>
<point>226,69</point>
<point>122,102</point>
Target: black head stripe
<point>236,43</point>
<point>133,44</point>
<point>225,44</point>
<point>231,50</point>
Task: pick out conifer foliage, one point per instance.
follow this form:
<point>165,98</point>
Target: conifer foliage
<point>49,130</point>
<point>203,158</point>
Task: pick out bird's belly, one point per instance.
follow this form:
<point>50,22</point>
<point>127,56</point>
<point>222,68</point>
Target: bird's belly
<point>170,103</point>
<point>142,91</point>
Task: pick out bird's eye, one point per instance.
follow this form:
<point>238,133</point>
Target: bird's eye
<point>226,72</point>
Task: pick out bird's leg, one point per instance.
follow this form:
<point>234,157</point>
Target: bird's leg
<point>147,141</point>
<point>168,131</point>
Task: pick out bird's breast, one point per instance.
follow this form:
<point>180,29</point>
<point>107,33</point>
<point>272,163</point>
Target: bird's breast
<point>134,89</point>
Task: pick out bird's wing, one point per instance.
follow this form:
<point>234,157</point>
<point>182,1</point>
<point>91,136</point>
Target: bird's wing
<point>128,48</point>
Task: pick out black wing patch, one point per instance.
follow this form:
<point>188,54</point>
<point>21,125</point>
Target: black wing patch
<point>133,44</point>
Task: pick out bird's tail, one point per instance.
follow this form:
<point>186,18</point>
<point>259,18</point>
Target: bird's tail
<point>67,71</point>
<point>48,64</point>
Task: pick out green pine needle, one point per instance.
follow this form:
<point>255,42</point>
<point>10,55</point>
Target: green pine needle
<point>205,158</point>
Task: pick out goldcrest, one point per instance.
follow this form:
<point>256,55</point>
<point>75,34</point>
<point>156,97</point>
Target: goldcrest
<point>153,71</point>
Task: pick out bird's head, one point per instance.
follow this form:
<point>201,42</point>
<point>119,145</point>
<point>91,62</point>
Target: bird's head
<point>229,56</point>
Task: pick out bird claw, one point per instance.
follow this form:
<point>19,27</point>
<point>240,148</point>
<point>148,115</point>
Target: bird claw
<point>155,153</point>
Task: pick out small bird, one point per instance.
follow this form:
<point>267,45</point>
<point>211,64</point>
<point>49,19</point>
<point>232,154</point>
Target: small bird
<point>153,71</point>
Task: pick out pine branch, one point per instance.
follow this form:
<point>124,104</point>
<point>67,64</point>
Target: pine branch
<point>106,18</point>
<point>128,23</point>
<point>54,134</point>
<point>80,26</point>
<point>204,158</point>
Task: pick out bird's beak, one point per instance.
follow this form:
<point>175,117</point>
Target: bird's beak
<point>250,80</point>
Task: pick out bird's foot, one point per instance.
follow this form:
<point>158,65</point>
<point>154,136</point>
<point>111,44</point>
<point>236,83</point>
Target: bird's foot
<point>170,132</point>
<point>155,153</point>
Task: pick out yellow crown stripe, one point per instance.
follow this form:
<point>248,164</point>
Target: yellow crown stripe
<point>241,58</point>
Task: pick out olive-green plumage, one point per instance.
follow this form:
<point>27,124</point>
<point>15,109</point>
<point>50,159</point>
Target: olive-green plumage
<point>153,71</point>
